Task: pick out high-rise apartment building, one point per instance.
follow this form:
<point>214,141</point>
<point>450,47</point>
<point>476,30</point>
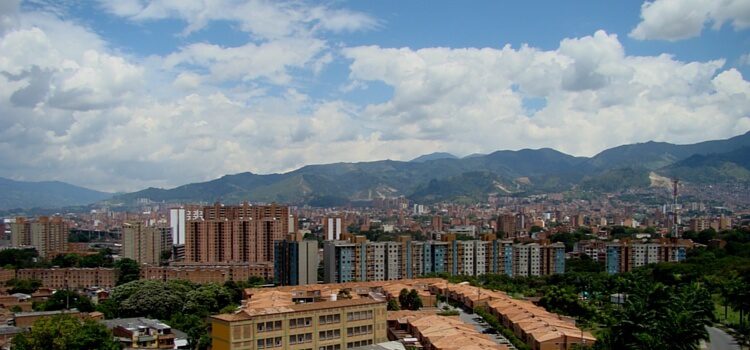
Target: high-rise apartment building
<point>346,261</point>
<point>333,228</point>
<point>243,233</point>
<point>177,223</point>
<point>145,244</point>
<point>625,256</point>
<point>49,236</point>
<point>437,223</point>
<point>506,225</point>
<point>296,262</point>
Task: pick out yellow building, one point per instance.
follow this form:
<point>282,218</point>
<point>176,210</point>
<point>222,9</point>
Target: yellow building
<point>272,320</point>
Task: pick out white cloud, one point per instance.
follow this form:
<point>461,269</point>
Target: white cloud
<point>596,96</point>
<point>76,110</point>
<point>269,60</point>
<point>264,19</point>
<point>682,19</point>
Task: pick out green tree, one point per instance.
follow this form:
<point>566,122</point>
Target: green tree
<point>66,260</point>
<point>65,332</point>
<point>236,289</point>
<point>109,307</point>
<point>61,299</point>
<point>18,258</point>
<point>563,300</point>
<point>415,302</point>
<point>195,327</point>
<point>154,299</point>
<point>403,299</point>
<point>656,316</point>
<point>25,286</point>
<point>393,305</point>
<point>256,281</point>
<point>164,257</point>
<point>207,299</point>
<point>96,260</point>
<point>127,271</point>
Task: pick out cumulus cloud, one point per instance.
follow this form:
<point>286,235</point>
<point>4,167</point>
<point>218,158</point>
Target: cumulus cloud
<point>681,19</point>
<point>84,80</point>
<point>596,96</point>
<point>76,110</point>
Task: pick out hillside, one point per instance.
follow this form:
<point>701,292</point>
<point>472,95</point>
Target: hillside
<point>733,166</point>
<point>45,194</point>
<point>655,155</point>
<point>433,156</point>
<point>439,176</point>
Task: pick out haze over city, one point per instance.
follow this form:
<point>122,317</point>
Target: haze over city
<point>122,95</point>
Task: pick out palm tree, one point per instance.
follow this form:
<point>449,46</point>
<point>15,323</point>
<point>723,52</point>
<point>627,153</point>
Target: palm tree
<point>655,316</point>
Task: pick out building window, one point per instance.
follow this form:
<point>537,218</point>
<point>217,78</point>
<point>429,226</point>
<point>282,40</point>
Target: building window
<point>359,315</point>
<point>359,330</point>
<point>300,338</point>
<point>269,343</point>
<point>329,334</point>
<point>269,326</point>
<point>300,322</point>
<point>328,319</point>
<point>330,347</point>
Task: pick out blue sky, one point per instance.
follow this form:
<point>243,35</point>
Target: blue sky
<point>122,94</point>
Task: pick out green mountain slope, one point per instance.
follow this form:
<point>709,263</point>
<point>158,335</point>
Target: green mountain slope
<point>655,155</point>
<point>470,178</point>
<point>733,166</point>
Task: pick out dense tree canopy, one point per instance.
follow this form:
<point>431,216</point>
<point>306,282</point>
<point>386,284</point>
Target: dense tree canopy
<point>18,258</point>
<point>26,286</point>
<point>65,333</point>
<point>65,299</point>
<point>127,271</point>
<point>409,300</point>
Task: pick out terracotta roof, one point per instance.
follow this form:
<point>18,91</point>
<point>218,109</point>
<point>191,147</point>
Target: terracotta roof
<point>445,333</point>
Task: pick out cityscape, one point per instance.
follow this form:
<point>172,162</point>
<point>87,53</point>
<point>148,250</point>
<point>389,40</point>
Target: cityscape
<point>251,175</point>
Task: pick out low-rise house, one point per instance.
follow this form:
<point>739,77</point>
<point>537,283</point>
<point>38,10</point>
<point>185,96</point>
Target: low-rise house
<point>145,333</point>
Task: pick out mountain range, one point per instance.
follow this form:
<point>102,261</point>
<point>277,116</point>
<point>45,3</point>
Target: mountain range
<point>443,176</point>
<point>45,194</point>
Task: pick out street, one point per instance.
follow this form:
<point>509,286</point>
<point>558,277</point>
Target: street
<point>720,340</point>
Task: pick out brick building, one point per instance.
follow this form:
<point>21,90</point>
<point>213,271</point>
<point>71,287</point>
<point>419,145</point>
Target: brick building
<point>208,273</point>
<point>49,236</point>
<point>73,278</point>
<point>244,233</point>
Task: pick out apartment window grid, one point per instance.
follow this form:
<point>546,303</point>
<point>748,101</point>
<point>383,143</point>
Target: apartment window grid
<point>359,315</point>
<point>300,338</point>
<point>330,347</point>
<point>358,343</point>
<point>329,334</point>
<point>300,322</point>
<point>358,330</point>
<point>269,326</point>
<point>329,319</point>
<point>269,343</point>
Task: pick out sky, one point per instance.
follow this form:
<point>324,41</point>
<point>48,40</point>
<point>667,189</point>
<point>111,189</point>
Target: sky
<point>119,95</point>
